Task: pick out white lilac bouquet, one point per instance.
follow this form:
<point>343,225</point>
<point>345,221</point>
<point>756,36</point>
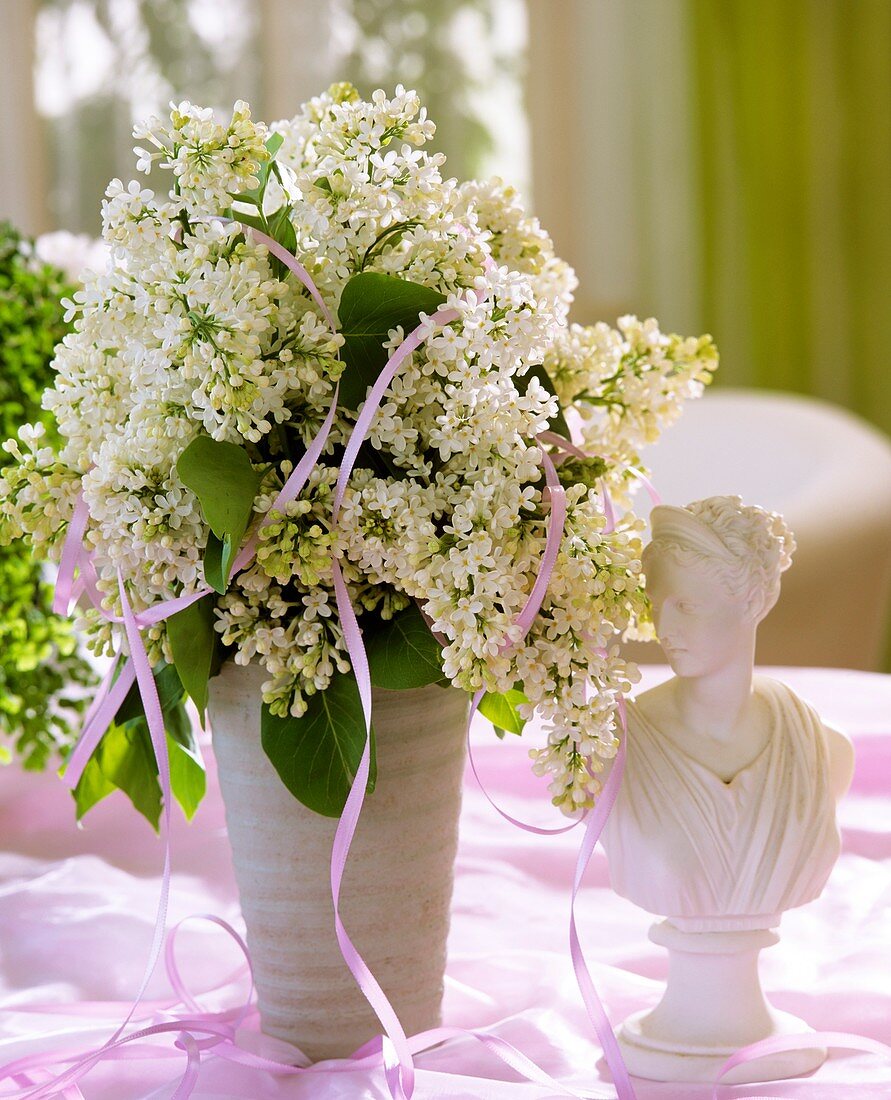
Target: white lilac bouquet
<point>200,369</point>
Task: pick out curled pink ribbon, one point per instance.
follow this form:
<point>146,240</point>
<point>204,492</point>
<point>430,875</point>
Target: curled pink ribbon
<point>808,1040</point>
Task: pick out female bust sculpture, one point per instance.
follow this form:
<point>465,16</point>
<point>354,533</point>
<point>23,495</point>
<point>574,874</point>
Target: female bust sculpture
<point>726,815</point>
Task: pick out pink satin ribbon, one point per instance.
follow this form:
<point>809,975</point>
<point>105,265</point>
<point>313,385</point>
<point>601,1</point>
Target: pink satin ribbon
<point>809,1040</point>
<point>64,596</point>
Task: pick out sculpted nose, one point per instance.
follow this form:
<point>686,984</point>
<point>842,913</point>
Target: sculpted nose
<point>666,623</point>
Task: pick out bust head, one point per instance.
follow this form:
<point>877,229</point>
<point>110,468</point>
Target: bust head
<point>713,573</point>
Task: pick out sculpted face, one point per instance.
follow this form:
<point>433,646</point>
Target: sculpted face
<point>701,625</point>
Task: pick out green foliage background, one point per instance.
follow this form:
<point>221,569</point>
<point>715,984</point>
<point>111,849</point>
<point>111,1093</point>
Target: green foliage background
<point>40,668</point>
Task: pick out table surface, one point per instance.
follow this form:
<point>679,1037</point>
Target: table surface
<point>77,910</point>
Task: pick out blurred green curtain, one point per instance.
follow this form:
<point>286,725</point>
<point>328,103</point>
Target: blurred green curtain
<point>792,112</point>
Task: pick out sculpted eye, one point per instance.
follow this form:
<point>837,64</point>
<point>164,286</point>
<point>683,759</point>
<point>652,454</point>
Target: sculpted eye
<point>686,608</point>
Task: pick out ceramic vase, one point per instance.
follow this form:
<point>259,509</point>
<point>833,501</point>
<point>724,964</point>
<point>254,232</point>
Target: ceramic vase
<point>397,889</point>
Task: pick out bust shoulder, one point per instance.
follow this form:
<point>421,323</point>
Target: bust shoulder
<point>655,712</point>
<point>838,744</point>
<point>841,760</point>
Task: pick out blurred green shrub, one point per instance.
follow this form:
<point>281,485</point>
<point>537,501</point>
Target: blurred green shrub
<point>42,674</point>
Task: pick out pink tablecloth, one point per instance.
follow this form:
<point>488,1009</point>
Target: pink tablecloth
<point>77,908</point>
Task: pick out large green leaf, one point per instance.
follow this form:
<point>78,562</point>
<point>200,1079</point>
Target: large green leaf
<point>558,423</point>
<point>216,554</point>
<point>220,474</point>
<point>188,779</point>
<point>125,760</point>
<point>370,306</point>
<point>192,637</point>
<point>317,755</point>
<point>402,652</point>
<point>501,710</point>
<point>91,788</point>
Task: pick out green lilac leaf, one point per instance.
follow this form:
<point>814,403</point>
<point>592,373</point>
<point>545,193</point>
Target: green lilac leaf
<point>91,788</point>
<point>188,779</point>
<point>317,755</point>
<point>403,653</point>
<point>370,306</point>
<point>220,474</point>
<point>255,194</point>
<point>501,710</point>
<point>126,760</point>
<point>252,220</point>
<point>281,229</point>
<point>192,637</point>
<point>215,572</point>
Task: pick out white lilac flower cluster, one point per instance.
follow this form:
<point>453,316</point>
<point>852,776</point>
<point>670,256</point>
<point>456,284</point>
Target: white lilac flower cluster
<point>192,328</point>
<point>627,383</point>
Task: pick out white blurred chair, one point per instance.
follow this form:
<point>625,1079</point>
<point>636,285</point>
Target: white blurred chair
<point>829,473</point>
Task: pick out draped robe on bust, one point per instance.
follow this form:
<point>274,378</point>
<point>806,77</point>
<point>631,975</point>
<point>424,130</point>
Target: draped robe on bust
<point>712,855</point>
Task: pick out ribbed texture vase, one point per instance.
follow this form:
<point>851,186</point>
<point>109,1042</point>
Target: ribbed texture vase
<point>397,887</point>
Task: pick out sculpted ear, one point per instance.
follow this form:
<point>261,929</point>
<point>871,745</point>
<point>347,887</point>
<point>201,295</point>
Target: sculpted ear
<point>753,601</point>
<point>759,602</point>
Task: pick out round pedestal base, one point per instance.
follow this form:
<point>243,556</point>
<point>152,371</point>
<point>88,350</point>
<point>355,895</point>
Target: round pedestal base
<point>659,1060</point>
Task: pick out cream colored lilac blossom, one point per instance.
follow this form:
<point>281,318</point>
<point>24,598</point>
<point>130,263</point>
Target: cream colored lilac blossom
<point>628,384</point>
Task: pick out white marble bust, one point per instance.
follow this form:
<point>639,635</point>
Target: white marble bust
<point>726,814</point>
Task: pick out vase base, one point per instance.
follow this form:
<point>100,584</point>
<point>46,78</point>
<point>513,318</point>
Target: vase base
<point>337,1039</point>
<point>659,1060</point>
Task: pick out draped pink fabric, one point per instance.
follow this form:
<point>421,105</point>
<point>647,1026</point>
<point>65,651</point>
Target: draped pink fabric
<point>77,907</point>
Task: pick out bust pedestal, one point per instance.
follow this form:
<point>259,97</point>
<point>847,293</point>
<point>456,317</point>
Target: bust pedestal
<point>726,814</point>
<point>713,1005</point>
